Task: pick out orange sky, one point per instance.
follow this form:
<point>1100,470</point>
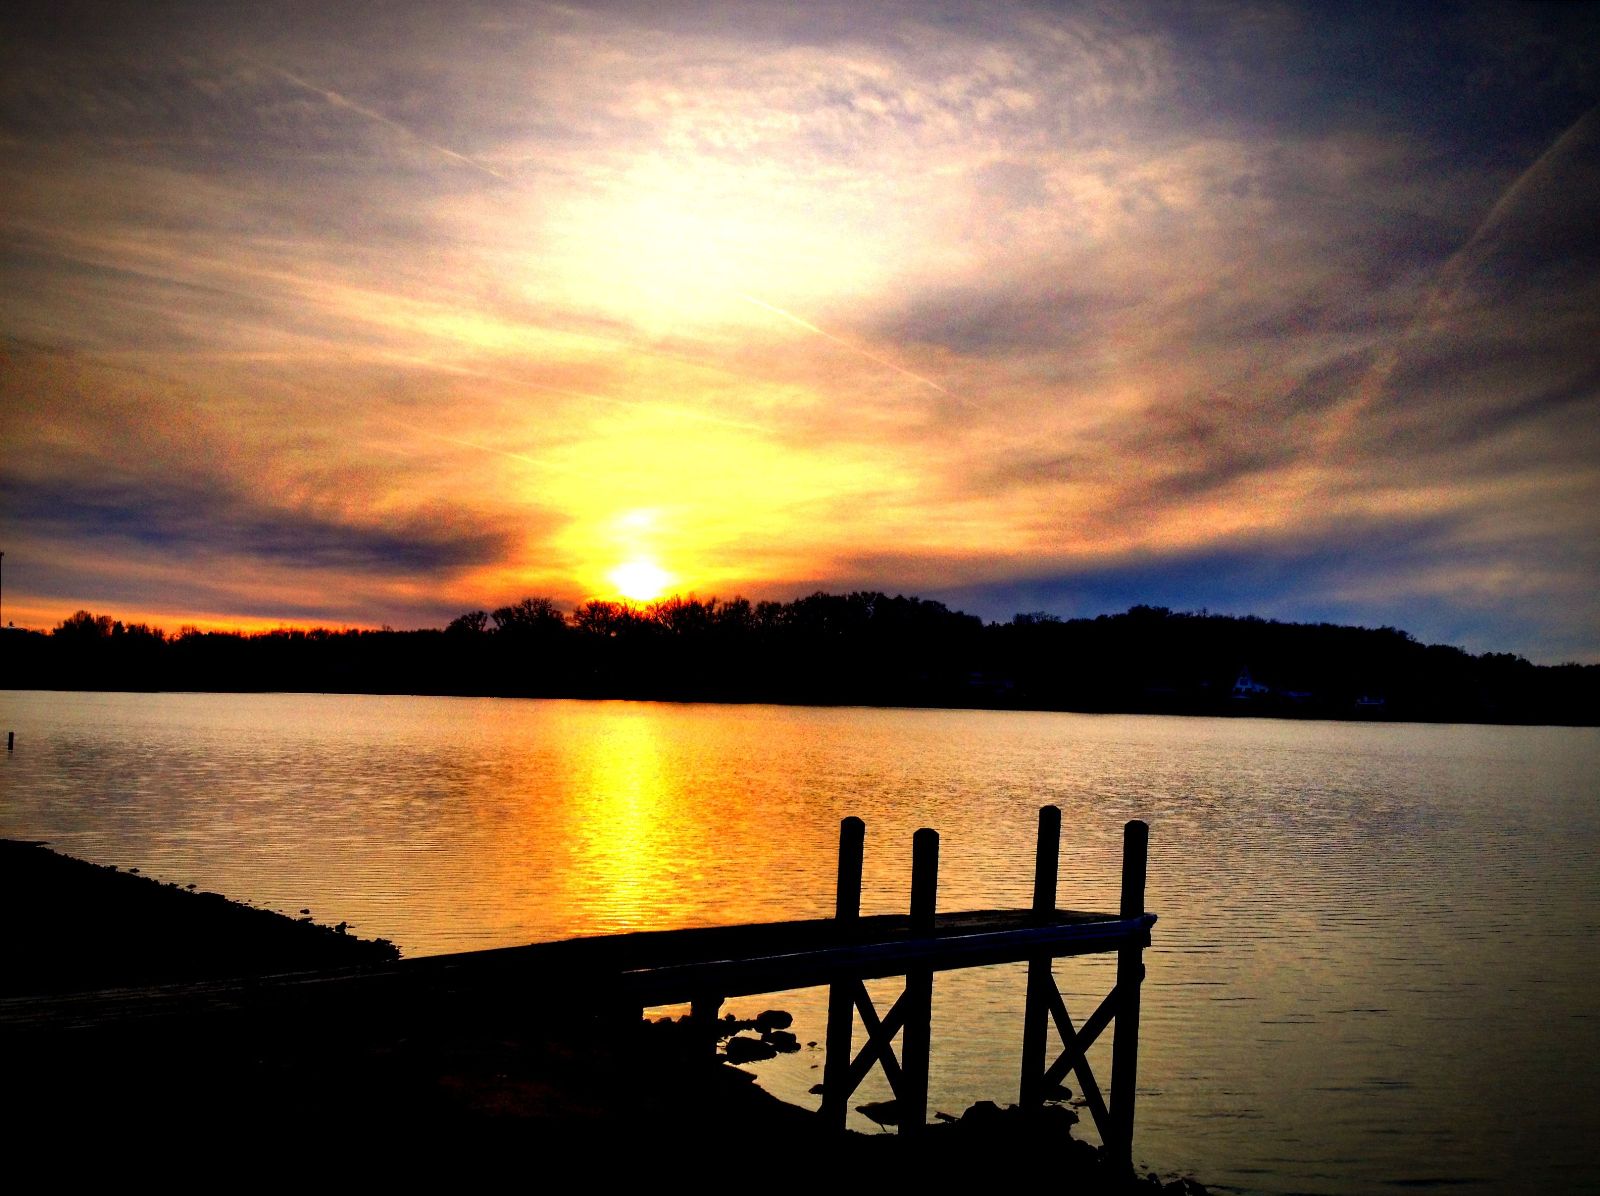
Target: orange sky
<point>335,315</point>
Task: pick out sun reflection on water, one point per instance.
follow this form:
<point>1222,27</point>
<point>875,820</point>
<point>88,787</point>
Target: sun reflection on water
<point>626,828</point>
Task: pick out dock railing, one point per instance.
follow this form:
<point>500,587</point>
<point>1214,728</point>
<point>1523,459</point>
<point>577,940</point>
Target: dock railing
<point>1039,935</point>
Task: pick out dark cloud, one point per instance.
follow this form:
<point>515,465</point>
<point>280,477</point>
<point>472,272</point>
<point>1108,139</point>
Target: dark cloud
<point>1308,69</point>
<point>188,520</point>
<point>1002,317</point>
<point>1448,394</point>
<point>1186,445</point>
<point>80,581</point>
<point>1200,444</point>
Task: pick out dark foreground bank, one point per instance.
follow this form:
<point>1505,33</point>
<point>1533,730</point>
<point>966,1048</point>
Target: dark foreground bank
<point>71,924</point>
<point>143,1026</point>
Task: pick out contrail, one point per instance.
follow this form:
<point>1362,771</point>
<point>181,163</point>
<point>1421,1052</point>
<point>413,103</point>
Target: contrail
<point>698,417</point>
<point>1450,278</point>
<point>629,404</point>
<point>340,101</point>
<point>810,327</point>
<point>523,457</point>
<point>1579,128</point>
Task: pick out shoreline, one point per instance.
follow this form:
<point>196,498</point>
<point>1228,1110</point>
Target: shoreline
<point>90,926</point>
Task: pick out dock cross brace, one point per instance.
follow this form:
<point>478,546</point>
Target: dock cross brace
<point>910,1014</point>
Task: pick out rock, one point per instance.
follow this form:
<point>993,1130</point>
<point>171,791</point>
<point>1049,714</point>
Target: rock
<point>1059,1092</point>
<point>983,1112</point>
<point>781,1041</point>
<point>740,1049</point>
<point>884,1112</point>
<point>773,1019</point>
<point>1081,1153</point>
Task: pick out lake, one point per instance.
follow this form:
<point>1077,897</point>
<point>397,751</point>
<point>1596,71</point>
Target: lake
<point>1375,963</point>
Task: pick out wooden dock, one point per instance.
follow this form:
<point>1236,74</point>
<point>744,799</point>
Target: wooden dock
<point>703,967</point>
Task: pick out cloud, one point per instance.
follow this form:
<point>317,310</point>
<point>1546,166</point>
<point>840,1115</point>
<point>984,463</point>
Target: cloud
<point>188,520</point>
<point>375,290</point>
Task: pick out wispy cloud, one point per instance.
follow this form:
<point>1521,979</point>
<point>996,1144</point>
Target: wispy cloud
<point>870,356</point>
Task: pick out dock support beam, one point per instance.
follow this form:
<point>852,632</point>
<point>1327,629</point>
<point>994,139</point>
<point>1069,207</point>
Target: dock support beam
<point>1130,974</point>
<point>916,1045</point>
<point>1036,1012</point>
<point>841,993</point>
<point>703,1012</point>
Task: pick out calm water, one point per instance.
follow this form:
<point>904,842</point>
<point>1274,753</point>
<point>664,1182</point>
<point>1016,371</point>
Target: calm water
<point>1375,965</point>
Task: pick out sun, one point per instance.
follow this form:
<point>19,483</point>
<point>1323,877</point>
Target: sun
<point>640,581</point>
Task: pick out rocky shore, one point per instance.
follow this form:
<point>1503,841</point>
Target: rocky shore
<point>191,1032</point>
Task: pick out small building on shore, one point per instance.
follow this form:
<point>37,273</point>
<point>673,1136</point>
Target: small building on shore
<point>1247,687</point>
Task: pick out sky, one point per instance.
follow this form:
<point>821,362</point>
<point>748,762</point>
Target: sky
<point>353,314</point>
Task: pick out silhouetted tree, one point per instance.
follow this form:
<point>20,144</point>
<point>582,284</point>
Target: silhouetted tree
<point>604,619</point>
<point>81,625</point>
<point>529,615</point>
<point>474,622</point>
<point>865,646</point>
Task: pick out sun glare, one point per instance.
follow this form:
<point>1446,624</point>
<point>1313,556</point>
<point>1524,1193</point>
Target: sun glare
<point>640,581</point>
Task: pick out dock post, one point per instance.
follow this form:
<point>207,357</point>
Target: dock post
<point>703,1020</point>
<point>841,993</point>
<point>917,1041</point>
<point>1130,974</point>
<point>1036,1010</point>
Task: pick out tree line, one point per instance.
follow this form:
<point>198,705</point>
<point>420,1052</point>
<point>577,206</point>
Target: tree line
<point>863,647</point>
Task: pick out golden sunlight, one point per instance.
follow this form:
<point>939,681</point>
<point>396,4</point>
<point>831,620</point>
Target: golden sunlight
<point>640,580</point>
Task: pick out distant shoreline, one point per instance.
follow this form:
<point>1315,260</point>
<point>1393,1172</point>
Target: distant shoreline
<point>867,650</point>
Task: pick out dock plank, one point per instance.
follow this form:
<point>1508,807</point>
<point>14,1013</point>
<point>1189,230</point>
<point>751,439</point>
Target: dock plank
<point>669,966</point>
<point>643,968</point>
